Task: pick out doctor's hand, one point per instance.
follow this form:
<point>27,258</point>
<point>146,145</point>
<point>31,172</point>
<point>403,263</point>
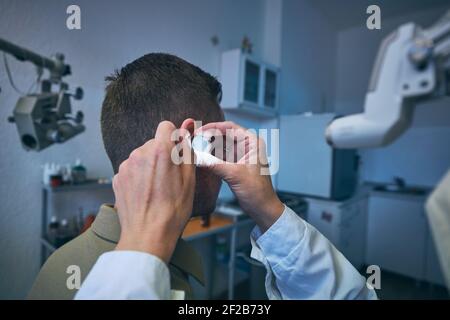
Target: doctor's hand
<point>154,196</point>
<point>244,167</point>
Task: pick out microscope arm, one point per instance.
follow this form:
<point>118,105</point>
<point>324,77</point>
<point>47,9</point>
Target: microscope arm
<point>56,66</point>
<point>411,66</point>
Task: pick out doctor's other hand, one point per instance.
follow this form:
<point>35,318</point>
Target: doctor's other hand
<point>154,196</point>
<point>244,162</point>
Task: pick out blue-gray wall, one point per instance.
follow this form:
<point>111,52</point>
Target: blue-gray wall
<point>308,51</point>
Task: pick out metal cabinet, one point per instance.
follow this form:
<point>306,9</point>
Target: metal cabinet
<point>308,165</point>
<point>433,271</point>
<point>343,223</point>
<point>397,234</point>
<point>399,238</point>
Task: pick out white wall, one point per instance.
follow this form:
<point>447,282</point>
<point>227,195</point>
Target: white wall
<point>308,50</point>
<point>421,155</point>
<point>272,29</point>
<point>113,34</point>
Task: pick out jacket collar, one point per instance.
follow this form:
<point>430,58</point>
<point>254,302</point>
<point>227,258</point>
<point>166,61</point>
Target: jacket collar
<point>106,226</point>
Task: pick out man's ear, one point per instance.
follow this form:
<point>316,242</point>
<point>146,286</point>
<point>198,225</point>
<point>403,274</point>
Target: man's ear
<point>189,125</point>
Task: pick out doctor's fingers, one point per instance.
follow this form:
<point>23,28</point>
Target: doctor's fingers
<point>116,185</point>
<point>225,128</point>
<point>221,126</point>
<point>187,156</point>
<point>164,134</point>
<point>155,155</point>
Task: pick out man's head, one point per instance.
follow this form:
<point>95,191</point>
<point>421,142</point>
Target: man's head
<point>151,89</point>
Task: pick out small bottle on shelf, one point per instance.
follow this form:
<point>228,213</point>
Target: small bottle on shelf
<point>52,230</point>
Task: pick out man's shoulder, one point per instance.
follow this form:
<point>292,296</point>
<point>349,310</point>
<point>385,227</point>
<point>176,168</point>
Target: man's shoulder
<point>81,252</point>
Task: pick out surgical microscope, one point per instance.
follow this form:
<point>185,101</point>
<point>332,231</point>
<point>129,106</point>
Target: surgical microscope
<point>412,66</point>
<point>44,118</point>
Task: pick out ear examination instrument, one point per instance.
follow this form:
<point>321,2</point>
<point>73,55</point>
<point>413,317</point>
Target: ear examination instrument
<point>202,148</point>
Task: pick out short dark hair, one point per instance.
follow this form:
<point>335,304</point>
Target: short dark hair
<point>151,89</point>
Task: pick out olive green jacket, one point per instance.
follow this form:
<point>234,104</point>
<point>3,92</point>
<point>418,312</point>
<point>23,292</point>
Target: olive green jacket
<point>102,236</point>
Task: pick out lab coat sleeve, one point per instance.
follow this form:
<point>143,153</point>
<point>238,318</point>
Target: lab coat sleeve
<point>126,275</point>
<point>302,264</point>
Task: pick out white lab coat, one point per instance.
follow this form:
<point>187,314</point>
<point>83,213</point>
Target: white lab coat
<point>438,212</point>
<point>300,262</point>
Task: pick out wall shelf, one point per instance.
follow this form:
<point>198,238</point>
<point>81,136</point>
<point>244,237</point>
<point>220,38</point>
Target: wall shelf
<point>91,184</point>
<point>47,247</point>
